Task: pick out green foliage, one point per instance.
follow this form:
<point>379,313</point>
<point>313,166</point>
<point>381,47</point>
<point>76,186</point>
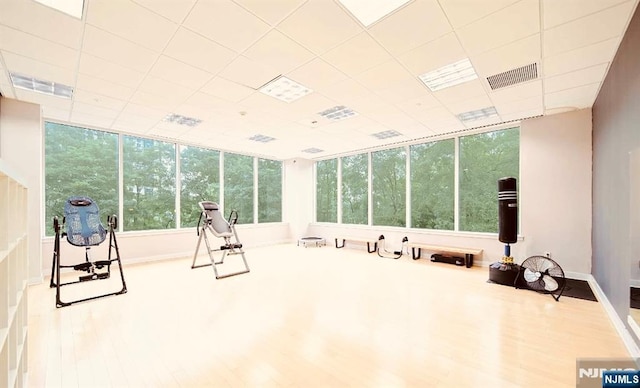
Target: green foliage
<point>389,187</point>
<point>238,186</point>
<point>355,189</point>
<point>432,185</point>
<point>149,169</point>
<point>485,158</point>
<point>200,181</point>
<point>79,162</point>
<point>269,190</point>
<point>327,190</point>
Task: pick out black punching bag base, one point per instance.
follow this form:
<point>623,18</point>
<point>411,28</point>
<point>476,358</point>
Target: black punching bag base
<point>503,274</point>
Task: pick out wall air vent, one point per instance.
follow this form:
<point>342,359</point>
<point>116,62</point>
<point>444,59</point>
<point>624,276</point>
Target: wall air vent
<point>512,77</point>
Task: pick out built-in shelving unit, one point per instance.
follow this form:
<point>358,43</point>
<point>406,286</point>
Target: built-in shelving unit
<point>13,279</point>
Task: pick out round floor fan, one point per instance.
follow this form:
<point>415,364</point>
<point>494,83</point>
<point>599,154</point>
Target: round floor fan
<point>540,273</point>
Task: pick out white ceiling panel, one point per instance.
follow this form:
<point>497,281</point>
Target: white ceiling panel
<point>43,99</point>
<point>216,106</point>
<point>513,23</point>
<point>316,73</point>
<point>133,124</point>
<point>180,73</point>
<point>475,103</point>
<point>277,51</point>
<point>414,25</point>
<point>522,115</point>
<point>52,113</point>
<point>155,101</point>
<point>581,58</point>
<point>357,54</point>
<point>460,92</point>
<point>131,21</point>
<point>89,120</point>
<point>94,110</point>
<point>164,88</point>
<point>421,59</point>
<point>345,91</point>
<point>587,30</point>
<point>100,68</point>
<point>483,122</point>
<point>6,90</point>
<point>271,11</point>
<point>594,74</point>
<point>517,92</point>
<point>384,76</point>
<point>226,23</point>
<point>103,87</point>
<point>404,90</point>
<point>227,90</point>
<point>136,110</point>
<point>87,97</point>
<point>196,50</point>
<point>31,46</point>
<point>525,105</point>
<point>463,12</point>
<point>507,57</point>
<point>45,71</point>
<point>250,73</point>
<point>117,50</point>
<point>319,25</point>
<point>175,11</point>
<point>580,97</point>
<point>559,12</point>
<point>36,19</point>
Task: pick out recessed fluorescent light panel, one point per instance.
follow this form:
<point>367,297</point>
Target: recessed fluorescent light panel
<point>474,115</point>
<point>181,120</point>
<point>369,12</point>
<point>386,134</point>
<point>41,86</point>
<point>312,150</point>
<point>262,138</point>
<point>449,75</point>
<point>285,89</point>
<point>70,7</point>
<point>338,113</point>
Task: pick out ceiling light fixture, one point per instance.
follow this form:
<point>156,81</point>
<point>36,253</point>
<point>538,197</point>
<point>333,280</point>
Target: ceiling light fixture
<point>262,138</point>
<point>386,134</point>
<point>181,120</point>
<point>70,7</point>
<point>449,75</point>
<point>338,113</point>
<point>473,115</point>
<point>313,150</point>
<point>368,12</point>
<point>41,86</point>
<point>285,89</point>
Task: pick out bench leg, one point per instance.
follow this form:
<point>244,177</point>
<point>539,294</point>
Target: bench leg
<point>468,260</point>
<point>375,246</point>
<point>413,253</point>
<point>341,246</point>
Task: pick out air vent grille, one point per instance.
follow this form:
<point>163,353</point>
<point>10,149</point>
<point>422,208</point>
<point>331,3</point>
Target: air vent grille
<point>512,77</point>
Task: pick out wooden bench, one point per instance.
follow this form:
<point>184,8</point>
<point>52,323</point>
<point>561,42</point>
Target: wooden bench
<point>369,242</point>
<point>416,251</point>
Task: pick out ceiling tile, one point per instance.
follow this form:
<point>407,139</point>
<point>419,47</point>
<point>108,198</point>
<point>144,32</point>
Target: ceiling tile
<point>6,90</point>
<point>403,90</point>
<point>522,114</point>
<point>316,73</point>
<point>36,19</point>
<point>587,30</point>
<point>505,26</point>
<point>517,92</point>
<point>125,19</point>
<point>587,56</point>
<point>270,11</point>
<point>576,78</point>
<point>100,68</point>
<point>117,50</point>
<point>250,73</point>
<point>166,89</point>
<point>215,105</point>
<point>227,90</point>
<point>133,124</point>
<point>319,25</point>
<point>196,50</point>
<point>89,120</point>
<point>580,97</point>
<point>469,104</point>
<point>384,76</point>
<point>357,54</point>
<point>277,51</point>
<point>185,75</point>
<point>175,11</point>
<point>155,101</point>
<point>226,23</point>
<point>93,110</point>
<point>42,99</point>
<point>96,99</point>
<point>345,91</point>
<point>460,92</point>
<point>133,109</point>
<point>416,107</point>
<point>27,66</point>
<point>103,87</point>
<point>55,113</point>
<point>461,13</point>
<point>40,49</point>
<point>432,55</point>
<point>416,24</point>
<point>559,12</point>
<point>511,56</point>
<point>524,105</point>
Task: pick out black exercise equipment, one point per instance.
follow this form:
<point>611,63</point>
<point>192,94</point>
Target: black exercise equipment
<point>84,229</point>
<point>388,254</point>
<point>506,271</point>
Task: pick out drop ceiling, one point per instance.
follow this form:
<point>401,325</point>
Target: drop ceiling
<point>132,63</point>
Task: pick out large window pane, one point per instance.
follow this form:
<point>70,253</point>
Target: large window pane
<point>200,181</point>
<point>149,184</point>
<point>432,185</point>
<point>81,162</point>
<point>389,179</point>
<point>355,189</point>
<point>238,186</point>
<point>269,190</point>
<point>485,158</point>
<point>327,190</point>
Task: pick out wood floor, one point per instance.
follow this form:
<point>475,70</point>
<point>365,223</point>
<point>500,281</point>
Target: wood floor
<point>314,317</point>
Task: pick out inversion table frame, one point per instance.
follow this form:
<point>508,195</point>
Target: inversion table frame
<point>212,221</point>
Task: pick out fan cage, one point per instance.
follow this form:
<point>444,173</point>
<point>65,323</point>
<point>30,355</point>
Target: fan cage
<point>535,269</point>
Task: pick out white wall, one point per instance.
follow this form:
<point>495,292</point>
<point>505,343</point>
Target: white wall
<point>21,133</point>
<point>298,196</point>
<point>555,197</point>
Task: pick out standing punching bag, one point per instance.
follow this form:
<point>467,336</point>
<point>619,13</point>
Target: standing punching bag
<point>505,272</point>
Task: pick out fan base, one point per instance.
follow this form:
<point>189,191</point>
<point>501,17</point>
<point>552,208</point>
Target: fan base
<point>504,273</point>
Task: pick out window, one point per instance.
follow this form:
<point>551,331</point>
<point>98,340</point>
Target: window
<point>238,186</point>
<point>269,190</point>
<point>485,158</point>
<point>432,185</point>
<point>149,170</point>
<point>355,189</point>
<point>327,190</point>
<point>79,162</point>
<point>389,187</point>
<point>200,181</point>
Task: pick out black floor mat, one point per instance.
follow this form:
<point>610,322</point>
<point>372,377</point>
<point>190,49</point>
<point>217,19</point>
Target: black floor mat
<point>635,298</point>
<point>579,289</point>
